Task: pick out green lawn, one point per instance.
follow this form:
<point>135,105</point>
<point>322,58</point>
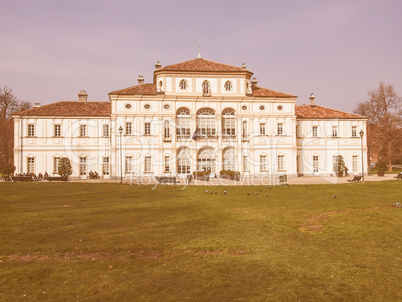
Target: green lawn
<point>113,242</point>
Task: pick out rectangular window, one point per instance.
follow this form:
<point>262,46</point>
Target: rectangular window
<point>83,131</point>
<point>315,163</point>
<point>56,162</point>
<point>315,131</point>
<point>105,166</point>
<point>147,166</point>
<point>147,128</point>
<point>280,163</point>
<point>354,131</point>
<point>83,166</point>
<point>334,131</point>
<point>280,129</point>
<point>128,129</point>
<point>183,130</point>
<point>245,163</point>
<point>31,130</point>
<point>262,128</point>
<point>129,164</point>
<point>229,126</point>
<point>263,163</point>
<point>31,165</point>
<point>206,126</point>
<point>354,163</point>
<point>106,132</point>
<point>57,130</point>
<point>167,164</point>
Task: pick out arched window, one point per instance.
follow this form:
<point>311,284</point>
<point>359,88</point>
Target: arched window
<point>183,122</point>
<point>183,161</point>
<point>206,160</point>
<point>245,134</point>
<point>206,123</point>
<point>228,86</point>
<point>229,159</point>
<point>228,123</point>
<point>206,88</point>
<point>166,131</point>
<point>183,84</point>
<point>160,86</point>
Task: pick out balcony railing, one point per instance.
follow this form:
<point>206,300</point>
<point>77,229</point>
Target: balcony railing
<point>227,137</point>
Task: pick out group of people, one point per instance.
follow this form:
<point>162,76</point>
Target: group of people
<point>35,177</point>
<point>93,175</point>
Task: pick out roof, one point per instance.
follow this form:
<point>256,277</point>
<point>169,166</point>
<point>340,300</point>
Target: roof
<point>201,65</point>
<point>149,89</point>
<point>70,109</point>
<point>259,91</point>
<point>319,112</point>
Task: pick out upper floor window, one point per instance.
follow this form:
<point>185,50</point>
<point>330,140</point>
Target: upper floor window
<point>315,131</point>
<point>57,130</point>
<point>83,130</point>
<point>262,128</point>
<point>31,130</point>
<point>147,128</point>
<point>229,122</point>
<point>160,85</point>
<point>128,128</point>
<point>228,86</point>
<point>206,88</point>
<point>334,131</point>
<point>245,134</point>
<point>106,130</point>
<point>166,130</point>
<point>183,84</point>
<point>183,122</point>
<point>354,131</point>
<point>280,129</point>
<point>206,122</point>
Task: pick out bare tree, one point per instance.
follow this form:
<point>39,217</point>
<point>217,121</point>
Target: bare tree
<point>9,103</point>
<point>384,113</point>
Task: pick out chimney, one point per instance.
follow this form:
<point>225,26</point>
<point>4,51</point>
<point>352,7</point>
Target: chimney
<point>82,96</point>
<point>140,79</point>
<point>254,82</point>
<point>158,65</point>
<point>36,105</point>
<point>243,66</point>
<point>312,100</point>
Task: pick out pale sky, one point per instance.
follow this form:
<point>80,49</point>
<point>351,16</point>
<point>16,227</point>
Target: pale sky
<point>339,50</point>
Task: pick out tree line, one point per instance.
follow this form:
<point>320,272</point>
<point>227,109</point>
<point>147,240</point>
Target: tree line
<point>8,105</point>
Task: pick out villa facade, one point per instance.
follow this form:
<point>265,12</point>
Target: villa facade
<point>195,115</point>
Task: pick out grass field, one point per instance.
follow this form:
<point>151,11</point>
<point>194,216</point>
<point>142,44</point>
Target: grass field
<point>112,242</point>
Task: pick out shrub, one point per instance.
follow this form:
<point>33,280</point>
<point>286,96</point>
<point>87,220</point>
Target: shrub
<point>339,164</point>
<point>381,166</point>
<point>229,173</point>
<point>7,169</point>
<point>64,168</point>
<point>201,173</point>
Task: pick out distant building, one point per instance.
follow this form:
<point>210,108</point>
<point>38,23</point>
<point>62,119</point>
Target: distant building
<point>195,115</point>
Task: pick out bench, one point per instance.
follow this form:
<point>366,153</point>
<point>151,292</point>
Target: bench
<point>166,179</point>
<point>22,178</point>
<point>57,178</point>
<point>355,179</point>
<point>398,177</point>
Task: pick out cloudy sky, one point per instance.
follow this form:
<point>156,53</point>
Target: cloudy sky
<point>339,50</point>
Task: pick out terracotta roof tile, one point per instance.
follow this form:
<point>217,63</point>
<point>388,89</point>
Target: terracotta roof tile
<point>201,65</point>
<point>149,89</point>
<point>319,112</point>
<point>259,91</point>
<point>70,109</point>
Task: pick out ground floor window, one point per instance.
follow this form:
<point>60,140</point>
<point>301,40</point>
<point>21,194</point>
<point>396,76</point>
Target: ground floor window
<point>206,160</point>
<point>354,163</point>
<point>129,164</point>
<point>167,164</point>
<point>315,163</point>
<point>147,166</point>
<point>31,165</point>
<point>56,162</point>
<point>245,163</point>
<point>229,160</point>
<point>263,163</point>
<point>281,165</point>
<point>183,161</point>
<point>83,166</point>
<point>105,166</point>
